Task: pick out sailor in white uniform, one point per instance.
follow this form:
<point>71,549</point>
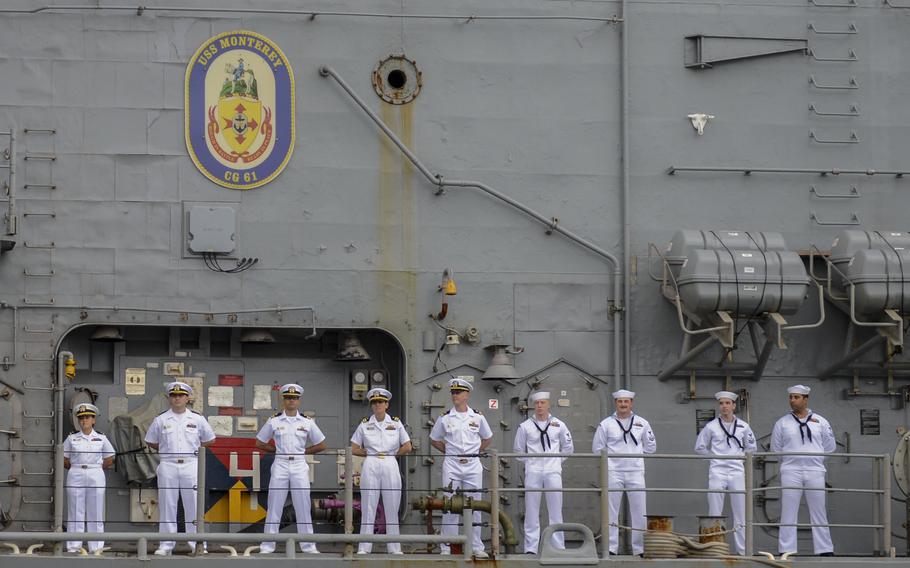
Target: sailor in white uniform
<point>86,454</point>
<point>291,436</point>
<point>177,434</point>
<point>460,434</point>
<point>380,439</point>
<point>727,436</point>
<point>626,433</point>
<point>542,433</point>
<point>803,431</point>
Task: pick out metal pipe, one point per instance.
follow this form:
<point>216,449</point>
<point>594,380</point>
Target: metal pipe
<point>682,361</point>
<point>762,361</point>
<point>494,501</point>
<point>820,171</point>
<point>604,504</point>
<point>319,538</point>
<point>876,503</point>
<point>59,472</point>
<point>750,504</point>
<point>200,499</point>
<point>311,13</point>
<point>457,504</point>
<point>551,224</point>
<point>625,191</point>
<point>886,504</point>
<point>349,498</point>
<point>11,221</point>
<point>467,524</point>
<point>870,344</point>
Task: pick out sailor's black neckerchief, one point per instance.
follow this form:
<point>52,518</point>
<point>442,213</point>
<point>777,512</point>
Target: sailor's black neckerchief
<point>626,432</point>
<point>544,437</point>
<point>730,435</point>
<point>805,425</point>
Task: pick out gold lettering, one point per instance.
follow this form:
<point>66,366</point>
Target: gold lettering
<point>243,41</point>
<point>225,43</point>
<point>258,45</point>
<point>273,56</point>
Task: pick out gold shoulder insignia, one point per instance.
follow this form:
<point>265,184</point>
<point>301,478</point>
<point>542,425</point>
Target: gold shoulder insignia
<point>365,420</point>
<point>276,415</point>
<point>195,412</point>
<point>396,419</point>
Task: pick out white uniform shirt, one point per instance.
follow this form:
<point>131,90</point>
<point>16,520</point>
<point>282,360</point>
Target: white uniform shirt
<point>179,435</point>
<point>533,434</point>
<point>726,439</point>
<point>377,437</point>
<point>633,436</point>
<point>87,449</point>
<point>292,434</point>
<point>817,437</point>
<point>462,434</point>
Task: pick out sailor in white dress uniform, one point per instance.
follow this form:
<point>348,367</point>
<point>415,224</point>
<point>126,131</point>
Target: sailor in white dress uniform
<point>542,433</point>
<point>459,434</point>
<point>294,436</point>
<point>177,434</point>
<point>624,432</point>
<point>380,439</point>
<point>802,430</point>
<point>86,454</point>
<point>727,436</point>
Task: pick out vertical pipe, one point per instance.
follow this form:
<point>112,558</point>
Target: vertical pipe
<point>877,534</point>
<point>886,504</point>
<point>494,501</point>
<point>11,221</point>
<point>750,512</point>
<point>467,523</point>
<point>626,183</point>
<point>290,547</point>
<point>142,548</point>
<point>58,496</point>
<point>348,498</point>
<point>604,505</point>
<point>200,500</point>
<point>59,473</point>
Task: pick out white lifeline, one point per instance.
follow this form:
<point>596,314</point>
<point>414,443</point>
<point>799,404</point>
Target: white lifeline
<point>178,437</point>
<point>85,483</point>
<point>462,434</point>
<point>290,472</point>
<point>380,475</point>
<point>727,439</point>
<point>531,437</point>
<point>630,436</point>
<point>814,435</point>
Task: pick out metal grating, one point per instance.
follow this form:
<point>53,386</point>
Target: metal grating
<point>702,417</point>
<point>869,424</point>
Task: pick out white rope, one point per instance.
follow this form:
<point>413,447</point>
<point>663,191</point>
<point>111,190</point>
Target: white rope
<point>659,544</point>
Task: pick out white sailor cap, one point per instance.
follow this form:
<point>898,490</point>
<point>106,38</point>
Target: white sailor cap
<point>726,394</point>
<point>291,390</point>
<point>457,384</point>
<point>85,409</point>
<point>379,394</point>
<point>799,389</point>
<point>540,395</point>
<point>623,393</point>
<point>178,387</point>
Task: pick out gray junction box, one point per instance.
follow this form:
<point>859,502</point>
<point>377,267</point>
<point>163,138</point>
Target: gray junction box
<point>211,229</point>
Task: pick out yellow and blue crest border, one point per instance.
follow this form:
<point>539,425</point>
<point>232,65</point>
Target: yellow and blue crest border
<point>195,111</point>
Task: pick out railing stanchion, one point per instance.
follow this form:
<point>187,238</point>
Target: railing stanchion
<point>604,505</point>
<point>877,534</point>
<point>349,498</point>
<point>290,547</point>
<point>494,501</point>
<point>200,500</point>
<point>886,504</point>
<point>142,548</point>
<point>467,522</point>
<point>750,512</point>
<point>59,482</point>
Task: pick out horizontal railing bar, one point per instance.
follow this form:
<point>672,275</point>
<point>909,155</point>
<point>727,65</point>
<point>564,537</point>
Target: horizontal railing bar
<point>322,538</point>
<point>801,488</point>
<point>809,525</point>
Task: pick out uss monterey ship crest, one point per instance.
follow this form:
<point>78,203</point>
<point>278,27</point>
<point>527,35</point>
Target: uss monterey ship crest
<point>240,111</point>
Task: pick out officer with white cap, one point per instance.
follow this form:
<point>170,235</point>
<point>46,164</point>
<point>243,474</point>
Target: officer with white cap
<point>291,436</point>
<point>801,430</point>
<point>177,434</point>
<point>727,436</point>
<point>86,454</point>
<point>626,433</point>
<point>460,434</point>
<point>380,439</point>
<point>542,433</point>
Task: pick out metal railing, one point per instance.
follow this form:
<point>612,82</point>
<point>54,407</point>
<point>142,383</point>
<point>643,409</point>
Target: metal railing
<point>880,488</point>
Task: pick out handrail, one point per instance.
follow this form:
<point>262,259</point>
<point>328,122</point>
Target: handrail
<point>865,323</point>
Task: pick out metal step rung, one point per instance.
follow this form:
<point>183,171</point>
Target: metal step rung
<point>28,501</point>
<point>852,138</point>
<point>39,214</point>
<point>27,386</point>
<point>40,130</point>
<point>851,30</point>
<point>45,157</point>
<point>38,330</point>
<point>42,302</point>
<point>39,274</point>
<point>34,245</point>
<point>851,84</point>
<point>25,414</point>
<point>10,433</point>
<point>33,357</point>
<point>26,472</point>
<point>50,444</point>
<point>39,186</point>
<point>42,528</point>
<point>854,111</point>
<point>850,57</point>
<point>9,481</point>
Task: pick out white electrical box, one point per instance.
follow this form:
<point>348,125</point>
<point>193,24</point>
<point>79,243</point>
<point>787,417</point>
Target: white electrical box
<point>211,229</point>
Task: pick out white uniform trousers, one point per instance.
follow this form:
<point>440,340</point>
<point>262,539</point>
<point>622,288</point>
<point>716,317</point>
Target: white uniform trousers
<point>460,479</point>
<point>545,480</point>
<point>289,475</point>
<point>789,509</point>
<point>380,477</point>
<point>728,480</point>
<point>637,499</point>
<point>177,479</point>
<point>85,504</point>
